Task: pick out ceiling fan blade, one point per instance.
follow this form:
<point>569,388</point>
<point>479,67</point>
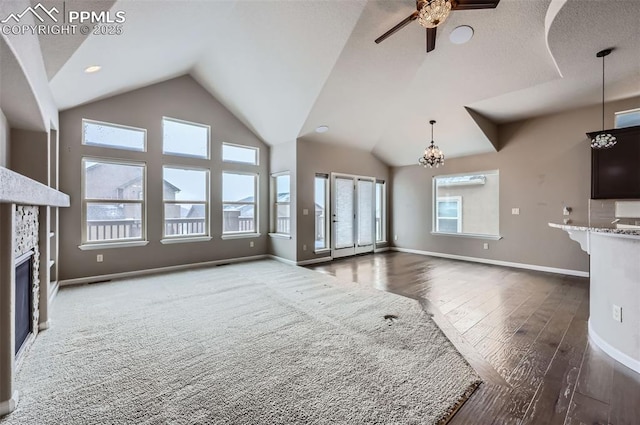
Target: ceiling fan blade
<point>431,39</point>
<point>473,4</point>
<point>404,22</point>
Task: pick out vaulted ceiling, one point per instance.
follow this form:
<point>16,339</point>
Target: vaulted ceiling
<point>286,67</point>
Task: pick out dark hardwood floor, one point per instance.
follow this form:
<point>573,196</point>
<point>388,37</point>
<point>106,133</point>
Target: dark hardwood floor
<point>525,332</point>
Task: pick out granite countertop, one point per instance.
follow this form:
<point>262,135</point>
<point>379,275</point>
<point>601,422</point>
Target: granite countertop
<point>601,228</point>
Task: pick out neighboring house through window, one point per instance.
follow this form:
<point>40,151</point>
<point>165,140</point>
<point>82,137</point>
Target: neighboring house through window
<point>114,194</point>
<point>282,203</point>
<point>239,202</point>
<point>186,202</point>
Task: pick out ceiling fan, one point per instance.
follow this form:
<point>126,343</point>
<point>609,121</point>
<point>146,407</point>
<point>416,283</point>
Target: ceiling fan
<point>431,13</point>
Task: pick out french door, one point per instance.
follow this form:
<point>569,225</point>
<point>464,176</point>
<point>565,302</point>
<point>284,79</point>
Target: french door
<point>352,215</point>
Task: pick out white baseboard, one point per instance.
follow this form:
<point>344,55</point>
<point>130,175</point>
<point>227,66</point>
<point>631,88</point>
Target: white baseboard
<point>618,355</point>
<point>283,260</point>
<point>44,325</point>
<point>303,262</point>
<point>10,405</point>
<point>495,262</point>
<point>136,273</point>
<point>54,291</point>
<point>383,249</point>
<point>315,261</point>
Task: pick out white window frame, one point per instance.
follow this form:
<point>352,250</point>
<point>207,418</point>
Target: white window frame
<point>254,148</point>
<point>276,203</point>
<point>383,211</point>
<point>113,243</point>
<point>255,203</point>
<point>206,203</point>
<point>110,124</point>
<point>195,124</point>
<point>437,218</point>
<point>327,213</point>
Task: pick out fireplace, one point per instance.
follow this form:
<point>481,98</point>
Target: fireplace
<point>24,299</point>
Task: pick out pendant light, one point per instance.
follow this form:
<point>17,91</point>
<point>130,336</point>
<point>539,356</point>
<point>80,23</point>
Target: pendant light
<point>433,156</point>
<point>603,140</point>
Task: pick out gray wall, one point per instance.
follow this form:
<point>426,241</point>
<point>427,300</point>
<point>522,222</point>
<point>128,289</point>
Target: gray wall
<point>283,158</point>
<point>29,154</point>
<point>313,158</point>
<point>181,98</point>
<point>4,141</point>
<point>544,164</point>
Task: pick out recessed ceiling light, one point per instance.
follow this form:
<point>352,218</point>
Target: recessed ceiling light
<point>322,129</point>
<point>93,68</point>
<point>461,34</point>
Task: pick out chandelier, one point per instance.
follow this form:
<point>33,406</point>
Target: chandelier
<point>603,140</point>
<point>433,156</point>
<point>433,12</point>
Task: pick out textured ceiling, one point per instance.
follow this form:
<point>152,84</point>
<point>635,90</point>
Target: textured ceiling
<point>286,67</point>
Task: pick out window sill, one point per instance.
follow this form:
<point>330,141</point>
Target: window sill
<point>469,235</point>
<point>241,235</point>
<point>109,245</point>
<point>188,239</point>
<point>279,236</point>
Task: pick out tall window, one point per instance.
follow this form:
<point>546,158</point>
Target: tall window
<point>96,133</point>
<point>467,204</point>
<point>321,195</point>
<point>381,231</point>
<point>113,198</point>
<point>239,154</point>
<point>185,138</point>
<point>282,203</point>
<point>239,202</point>
<point>186,207</point>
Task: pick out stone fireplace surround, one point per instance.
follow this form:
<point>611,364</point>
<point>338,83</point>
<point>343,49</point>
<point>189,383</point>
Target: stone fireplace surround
<point>26,239</point>
<point>25,211</point>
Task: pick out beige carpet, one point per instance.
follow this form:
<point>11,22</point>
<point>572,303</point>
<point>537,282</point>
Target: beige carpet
<point>252,343</point>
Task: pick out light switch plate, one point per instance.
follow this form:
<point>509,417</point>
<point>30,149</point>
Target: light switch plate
<point>515,211</point>
<point>305,211</point>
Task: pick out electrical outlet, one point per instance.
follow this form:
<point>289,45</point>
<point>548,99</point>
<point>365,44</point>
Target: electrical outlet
<point>251,244</point>
<point>305,211</point>
<point>304,247</point>
<point>617,313</point>
<point>486,246</point>
<point>395,238</point>
<point>515,211</point>
<point>99,258</point>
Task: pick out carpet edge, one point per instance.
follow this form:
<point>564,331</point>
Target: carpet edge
<point>451,412</point>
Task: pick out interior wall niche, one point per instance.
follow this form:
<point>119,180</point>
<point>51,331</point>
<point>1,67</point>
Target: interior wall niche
<point>26,231</point>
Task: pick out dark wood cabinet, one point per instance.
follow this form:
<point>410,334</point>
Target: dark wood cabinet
<point>615,171</point>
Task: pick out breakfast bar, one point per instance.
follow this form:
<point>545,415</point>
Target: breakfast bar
<point>614,309</point>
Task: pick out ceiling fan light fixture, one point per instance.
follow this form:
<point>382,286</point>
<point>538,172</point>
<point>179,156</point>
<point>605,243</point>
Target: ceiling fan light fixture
<point>434,12</point>
<point>433,156</point>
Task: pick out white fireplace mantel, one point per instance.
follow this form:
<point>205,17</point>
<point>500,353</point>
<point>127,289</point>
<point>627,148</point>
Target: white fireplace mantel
<point>18,189</point>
